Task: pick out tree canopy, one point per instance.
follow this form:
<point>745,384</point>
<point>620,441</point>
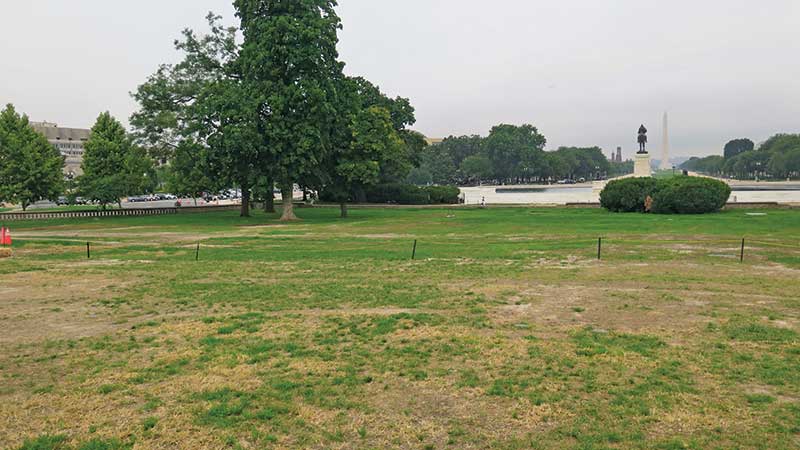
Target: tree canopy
<point>113,167</point>
<point>510,154</point>
<point>31,169</point>
<point>777,157</point>
<point>738,146</point>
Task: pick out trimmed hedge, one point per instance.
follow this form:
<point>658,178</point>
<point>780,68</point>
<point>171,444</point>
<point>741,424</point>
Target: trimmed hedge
<point>690,195</point>
<point>409,194</point>
<point>443,194</point>
<point>677,195</point>
<point>627,194</point>
<point>403,194</point>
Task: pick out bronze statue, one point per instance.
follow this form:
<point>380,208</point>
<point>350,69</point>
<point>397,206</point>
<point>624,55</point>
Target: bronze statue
<point>642,140</point>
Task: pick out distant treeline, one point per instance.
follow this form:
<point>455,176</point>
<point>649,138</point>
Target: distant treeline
<point>777,158</point>
<point>510,154</point>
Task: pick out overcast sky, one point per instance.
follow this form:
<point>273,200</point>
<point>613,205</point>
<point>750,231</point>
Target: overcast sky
<point>586,72</point>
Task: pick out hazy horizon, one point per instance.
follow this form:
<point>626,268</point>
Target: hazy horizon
<point>584,72</point>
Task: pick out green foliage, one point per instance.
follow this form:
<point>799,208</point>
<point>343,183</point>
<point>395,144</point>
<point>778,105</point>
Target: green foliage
<point>404,194</point>
<point>30,168</point>
<point>738,146</point>
<point>189,172</point>
<point>690,195</point>
<point>476,167</point>
<point>513,154</point>
<point>513,149</point>
<point>443,194</point>
<point>672,195</point>
<point>592,343</point>
<point>100,444</point>
<point>113,167</point>
<point>577,162</point>
<point>711,165</point>
<point>756,332</point>
<point>439,164</point>
<point>628,194</point>
<point>420,176</point>
<point>200,111</point>
<point>46,442</point>
<point>358,163</point>
<point>290,68</point>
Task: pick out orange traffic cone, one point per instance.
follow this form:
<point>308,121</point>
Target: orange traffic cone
<point>6,236</point>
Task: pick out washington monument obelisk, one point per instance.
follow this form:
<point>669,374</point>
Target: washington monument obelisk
<point>665,164</point>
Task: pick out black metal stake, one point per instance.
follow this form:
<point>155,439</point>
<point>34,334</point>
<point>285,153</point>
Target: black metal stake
<point>197,253</point>
<point>741,257</point>
<point>414,252</point>
<point>599,248</point>
<point>88,251</point>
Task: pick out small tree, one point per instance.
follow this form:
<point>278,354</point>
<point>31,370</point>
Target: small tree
<point>187,173</point>
<point>112,166</point>
<point>30,168</point>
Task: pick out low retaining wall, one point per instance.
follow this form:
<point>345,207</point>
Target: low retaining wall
<point>732,205</point>
<point>12,217</point>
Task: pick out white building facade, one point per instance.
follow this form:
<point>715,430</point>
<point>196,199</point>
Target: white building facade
<point>69,141</point>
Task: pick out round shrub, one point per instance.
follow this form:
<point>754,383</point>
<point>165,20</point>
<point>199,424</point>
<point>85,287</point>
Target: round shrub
<point>690,195</point>
<point>628,194</point>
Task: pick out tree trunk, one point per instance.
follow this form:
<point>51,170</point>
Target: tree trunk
<point>269,203</point>
<point>343,207</point>
<point>269,200</point>
<point>245,202</point>
<point>305,195</point>
<point>287,193</point>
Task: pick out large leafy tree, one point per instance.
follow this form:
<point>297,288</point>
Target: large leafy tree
<point>508,145</point>
<point>396,165</point>
<point>113,167</point>
<point>200,105</point>
<point>462,147</point>
<point>476,168</point>
<point>30,168</point>
<point>738,146</point>
<point>440,164</point>
<point>290,64</point>
<point>585,162</point>
<point>365,139</point>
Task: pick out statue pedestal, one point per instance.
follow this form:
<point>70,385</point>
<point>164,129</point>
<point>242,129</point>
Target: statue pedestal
<point>641,167</point>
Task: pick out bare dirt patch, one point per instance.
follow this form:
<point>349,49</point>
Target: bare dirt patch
<point>36,306</point>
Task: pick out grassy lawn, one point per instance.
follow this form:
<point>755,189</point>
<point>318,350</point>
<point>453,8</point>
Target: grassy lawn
<point>505,332</point>
<point>669,173</point>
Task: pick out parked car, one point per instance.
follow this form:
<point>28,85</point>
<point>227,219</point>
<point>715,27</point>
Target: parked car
<point>62,201</point>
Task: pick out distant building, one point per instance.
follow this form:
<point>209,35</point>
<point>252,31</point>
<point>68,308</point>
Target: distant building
<point>617,157</point>
<point>69,141</point>
<point>434,141</point>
